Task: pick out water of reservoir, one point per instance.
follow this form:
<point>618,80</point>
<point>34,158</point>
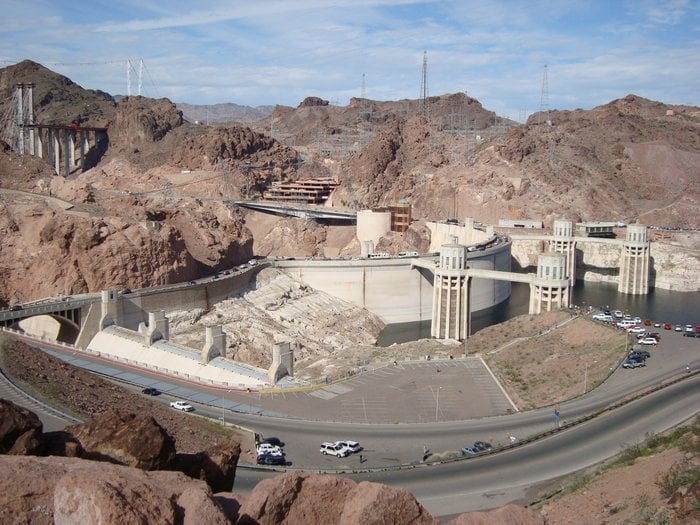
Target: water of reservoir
<point>658,305</point>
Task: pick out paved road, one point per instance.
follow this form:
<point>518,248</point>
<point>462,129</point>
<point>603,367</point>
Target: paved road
<point>389,445</point>
<point>450,408</point>
<point>51,418</point>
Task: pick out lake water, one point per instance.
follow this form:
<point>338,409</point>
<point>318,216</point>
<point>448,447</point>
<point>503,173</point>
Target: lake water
<point>658,305</point>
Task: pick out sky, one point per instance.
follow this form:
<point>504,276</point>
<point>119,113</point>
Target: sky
<point>515,57</point>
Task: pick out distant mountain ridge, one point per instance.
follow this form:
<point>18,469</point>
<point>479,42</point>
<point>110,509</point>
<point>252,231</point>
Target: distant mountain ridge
<point>223,113</point>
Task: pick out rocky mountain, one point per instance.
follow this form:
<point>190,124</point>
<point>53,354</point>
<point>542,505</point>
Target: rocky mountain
<point>57,99</point>
<point>142,214</point>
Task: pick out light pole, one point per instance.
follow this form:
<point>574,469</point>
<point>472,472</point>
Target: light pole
<point>437,402</point>
<point>223,414</point>
<point>585,377</point>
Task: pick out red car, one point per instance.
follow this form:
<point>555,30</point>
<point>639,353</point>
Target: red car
<point>667,326</point>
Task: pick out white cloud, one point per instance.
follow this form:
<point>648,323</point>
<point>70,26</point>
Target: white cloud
<point>280,51</point>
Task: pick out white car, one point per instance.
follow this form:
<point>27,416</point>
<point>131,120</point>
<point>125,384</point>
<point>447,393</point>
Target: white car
<point>334,449</point>
<point>266,448</point>
<point>648,341</point>
<point>181,405</point>
<point>352,446</point>
<point>637,330</point>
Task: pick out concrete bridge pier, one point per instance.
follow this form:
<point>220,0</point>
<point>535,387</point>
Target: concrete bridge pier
<point>634,261</point>
<point>564,243</point>
<point>550,289</point>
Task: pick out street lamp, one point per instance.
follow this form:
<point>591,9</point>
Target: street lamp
<point>585,377</point>
<point>223,398</point>
<point>437,403</point>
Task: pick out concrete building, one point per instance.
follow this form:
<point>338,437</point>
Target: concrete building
<point>371,226</point>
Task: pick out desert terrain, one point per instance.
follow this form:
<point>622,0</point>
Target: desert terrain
<point>154,207</point>
<point>631,492</point>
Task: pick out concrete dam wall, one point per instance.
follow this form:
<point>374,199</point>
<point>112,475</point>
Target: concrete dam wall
<point>395,289</point>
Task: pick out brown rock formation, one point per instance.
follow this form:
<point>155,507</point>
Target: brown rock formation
<point>306,498</point>
<point>20,430</point>
<point>216,465</point>
<point>126,439</point>
<point>68,491</point>
<point>506,515</point>
<point>684,503</point>
<point>231,143</point>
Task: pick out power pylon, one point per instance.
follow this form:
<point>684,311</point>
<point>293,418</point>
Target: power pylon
<point>544,99</point>
<point>423,101</point>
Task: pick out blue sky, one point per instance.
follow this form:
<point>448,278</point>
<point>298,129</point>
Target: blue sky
<point>281,51</point>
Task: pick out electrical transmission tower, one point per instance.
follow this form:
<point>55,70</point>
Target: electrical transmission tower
<point>128,77</point>
<point>227,182</point>
<point>423,100</point>
<point>544,99</point>
<point>544,113</point>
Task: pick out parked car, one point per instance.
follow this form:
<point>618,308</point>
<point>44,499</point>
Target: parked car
<point>333,449</point>
<point>352,446</point>
<point>667,326</point>
<point>150,391</point>
<point>181,405</point>
<point>639,354</point>
<point>470,450</point>
<point>266,448</point>
<point>691,334</point>
<point>275,441</point>
<point>678,328</point>
<point>633,363</point>
<point>637,330</point>
<point>648,341</point>
<point>657,324</point>
<point>481,445</point>
<point>270,459</point>
<point>689,328</point>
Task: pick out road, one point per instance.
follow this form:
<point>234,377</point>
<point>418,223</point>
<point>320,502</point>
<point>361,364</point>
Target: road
<point>473,484</point>
<point>496,479</point>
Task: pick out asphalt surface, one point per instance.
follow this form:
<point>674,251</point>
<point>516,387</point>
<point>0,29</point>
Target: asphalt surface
<point>447,404</point>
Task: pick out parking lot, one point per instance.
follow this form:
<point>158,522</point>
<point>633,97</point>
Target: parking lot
<point>407,392</point>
